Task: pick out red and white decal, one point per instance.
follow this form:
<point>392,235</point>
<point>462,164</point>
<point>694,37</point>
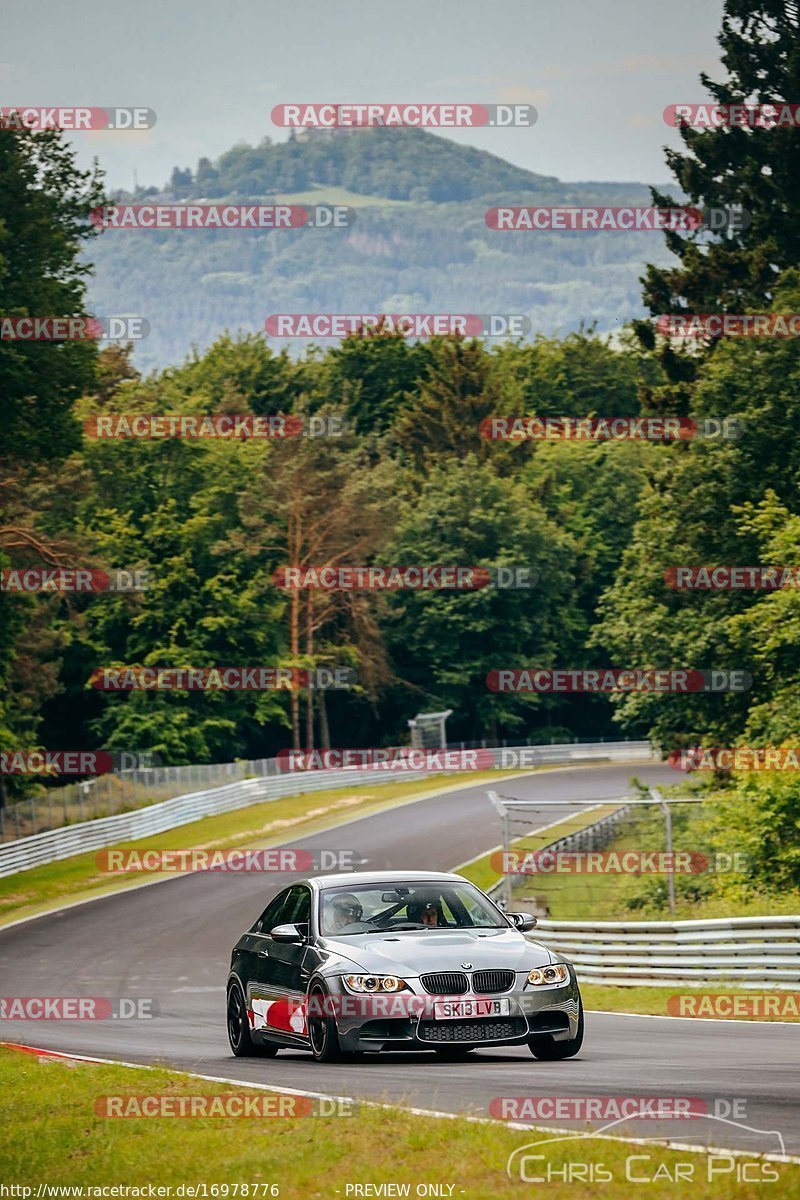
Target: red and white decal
<point>285,1014</point>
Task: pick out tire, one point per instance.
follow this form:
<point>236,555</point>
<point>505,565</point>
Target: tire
<point>547,1050</point>
<point>453,1053</point>
<point>322,1032</point>
<point>239,1037</point>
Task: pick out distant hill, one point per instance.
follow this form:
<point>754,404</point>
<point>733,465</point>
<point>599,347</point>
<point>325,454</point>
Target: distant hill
<point>419,243</point>
<point>406,164</point>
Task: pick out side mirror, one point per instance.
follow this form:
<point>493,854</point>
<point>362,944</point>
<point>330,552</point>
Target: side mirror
<point>523,921</point>
<point>286,933</point>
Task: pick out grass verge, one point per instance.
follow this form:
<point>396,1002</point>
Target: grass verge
<point>52,1135</point>
<point>652,1001</point>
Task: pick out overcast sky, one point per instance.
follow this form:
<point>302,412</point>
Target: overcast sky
<point>600,72</point>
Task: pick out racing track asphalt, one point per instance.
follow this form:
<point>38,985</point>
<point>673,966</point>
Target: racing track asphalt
<point>172,941</point>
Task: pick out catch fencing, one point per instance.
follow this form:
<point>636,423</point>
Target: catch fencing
<point>753,952</point>
<point>268,784</point>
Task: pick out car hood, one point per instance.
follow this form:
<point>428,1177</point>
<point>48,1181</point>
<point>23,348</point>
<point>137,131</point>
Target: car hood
<point>441,950</point>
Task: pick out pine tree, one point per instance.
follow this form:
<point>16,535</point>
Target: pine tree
<point>756,168</point>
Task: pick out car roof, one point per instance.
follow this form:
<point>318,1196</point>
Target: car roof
<point>358,878</point>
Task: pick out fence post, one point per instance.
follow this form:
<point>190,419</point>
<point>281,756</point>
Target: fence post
<point>506,893</point>
<point>668,836</point>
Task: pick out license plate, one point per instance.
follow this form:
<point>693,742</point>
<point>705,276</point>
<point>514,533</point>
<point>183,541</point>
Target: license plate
<point>456,1010</point>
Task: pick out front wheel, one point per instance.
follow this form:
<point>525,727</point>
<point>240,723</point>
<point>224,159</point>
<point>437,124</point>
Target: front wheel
<point>239,1037</point>
<point>546,1049</point>
<point>322,1032</point>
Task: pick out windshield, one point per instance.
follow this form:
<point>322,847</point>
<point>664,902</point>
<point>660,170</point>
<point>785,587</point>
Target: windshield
<point>381,906</point>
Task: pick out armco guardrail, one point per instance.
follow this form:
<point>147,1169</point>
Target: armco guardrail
<point>759,952</point>
<point>64,842</point>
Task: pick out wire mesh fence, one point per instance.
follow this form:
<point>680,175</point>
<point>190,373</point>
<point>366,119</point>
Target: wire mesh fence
<point>119,792</point>
<point>114,793</point>
<point>591,860</point>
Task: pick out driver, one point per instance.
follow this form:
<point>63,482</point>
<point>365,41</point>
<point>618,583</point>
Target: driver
<point>344,910</point>
<point>426,912</point>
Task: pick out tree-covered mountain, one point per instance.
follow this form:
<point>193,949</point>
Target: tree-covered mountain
<point>419,244</point>
<point>397,164</point>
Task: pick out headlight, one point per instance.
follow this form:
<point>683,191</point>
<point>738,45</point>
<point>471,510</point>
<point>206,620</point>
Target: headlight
<point>557,973</point>
<point>374,983</point>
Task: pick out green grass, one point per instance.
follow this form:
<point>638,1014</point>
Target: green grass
<point>51,1134</point>
<point>259,825</point>
<point>322,194</point>
<point>653,1000</point>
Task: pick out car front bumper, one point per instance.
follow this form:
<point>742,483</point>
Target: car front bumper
<point>534,1011</point>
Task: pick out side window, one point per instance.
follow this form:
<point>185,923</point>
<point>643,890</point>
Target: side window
<point>273,914</point>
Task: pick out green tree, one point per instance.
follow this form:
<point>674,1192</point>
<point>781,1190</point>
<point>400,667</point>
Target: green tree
<point>45,202</point>
<point>444,643</point>
<point>715,503</point>
<point>758,169</point>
